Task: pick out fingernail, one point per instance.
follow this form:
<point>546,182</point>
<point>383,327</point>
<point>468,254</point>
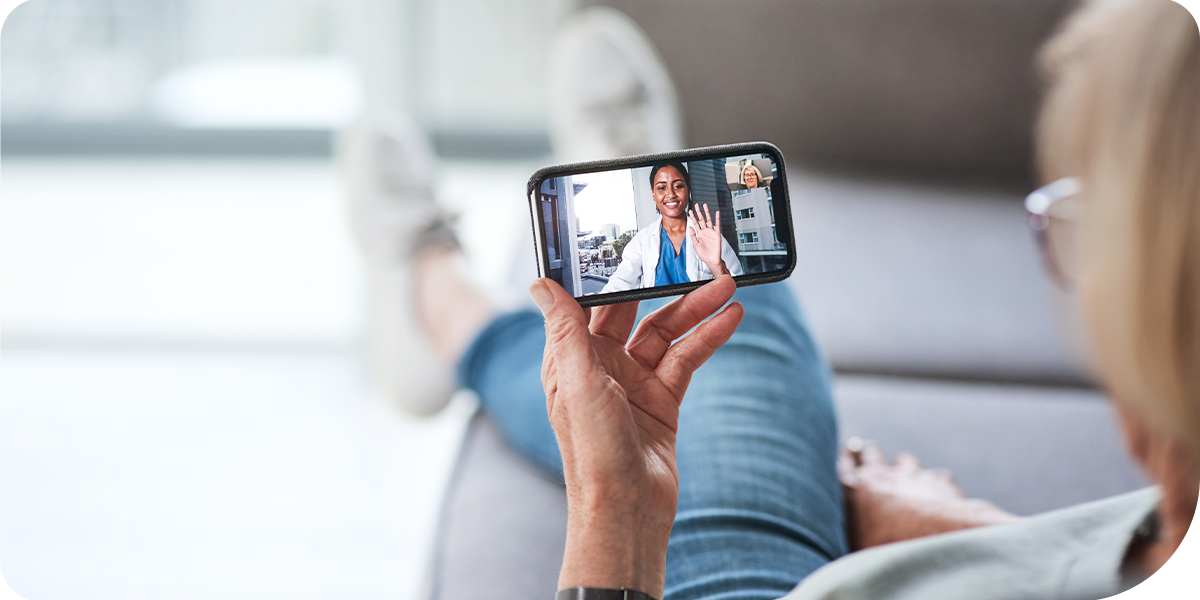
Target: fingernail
<point>541,295</point>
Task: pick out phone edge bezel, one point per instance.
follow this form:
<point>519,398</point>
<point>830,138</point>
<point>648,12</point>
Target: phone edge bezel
<point>639,161</point>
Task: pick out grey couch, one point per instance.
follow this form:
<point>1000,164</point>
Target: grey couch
<point>907,128</point>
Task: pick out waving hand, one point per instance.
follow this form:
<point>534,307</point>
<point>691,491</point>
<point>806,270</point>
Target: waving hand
<point>706,239</point>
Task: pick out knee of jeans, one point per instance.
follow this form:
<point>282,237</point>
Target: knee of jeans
<point>773,305</point>
<point>771,293</point>
<point>513,340</point>
<point>764,361</point>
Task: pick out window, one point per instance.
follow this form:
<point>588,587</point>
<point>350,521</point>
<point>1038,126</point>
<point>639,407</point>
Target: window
<point>550,225</point>
<point>774,235</point>
<point>745,213</point>
<point>750,237</point>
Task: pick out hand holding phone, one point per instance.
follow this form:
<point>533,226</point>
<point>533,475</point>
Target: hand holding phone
<point>661,225</point>
<point>613,400</point>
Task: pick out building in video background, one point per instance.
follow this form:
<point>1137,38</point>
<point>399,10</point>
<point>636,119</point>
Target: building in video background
<point>557,196</point>
<point>758,244</point>
<point>709,188</point>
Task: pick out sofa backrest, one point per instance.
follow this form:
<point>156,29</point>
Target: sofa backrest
<point>931,88</point>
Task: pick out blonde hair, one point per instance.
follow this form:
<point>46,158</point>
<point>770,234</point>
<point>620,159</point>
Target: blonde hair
<point>751,167</point>
<point>1123,114</point>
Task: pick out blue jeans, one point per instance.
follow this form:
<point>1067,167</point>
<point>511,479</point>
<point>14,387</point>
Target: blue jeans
<point>760,506</point>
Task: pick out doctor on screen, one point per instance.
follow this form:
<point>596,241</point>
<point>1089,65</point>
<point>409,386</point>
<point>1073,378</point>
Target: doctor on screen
<point>676,247</point>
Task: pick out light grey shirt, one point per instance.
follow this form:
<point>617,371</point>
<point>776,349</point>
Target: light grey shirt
<point>1069,554</point>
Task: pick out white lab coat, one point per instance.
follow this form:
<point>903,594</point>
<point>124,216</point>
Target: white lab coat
<point>639,261</point>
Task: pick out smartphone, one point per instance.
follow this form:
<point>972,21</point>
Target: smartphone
<point>662,224</point>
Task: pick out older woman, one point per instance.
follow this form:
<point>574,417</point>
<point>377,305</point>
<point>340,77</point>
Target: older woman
<point>735,491</point>
<point>751,176</point>
<point>1122,120</point>
<point>663,252</point>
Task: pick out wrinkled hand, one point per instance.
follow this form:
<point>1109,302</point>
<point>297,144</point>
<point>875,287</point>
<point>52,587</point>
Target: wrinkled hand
<point>894,502</point>
<point>614,407</point>
<point>706,239</point>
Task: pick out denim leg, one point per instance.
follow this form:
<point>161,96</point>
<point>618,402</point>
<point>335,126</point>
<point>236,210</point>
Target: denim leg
<point>760,506</point>
<point>503,366</point>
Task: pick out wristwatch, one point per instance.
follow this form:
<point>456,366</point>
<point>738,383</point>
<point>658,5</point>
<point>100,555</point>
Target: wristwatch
<point>582,593</point>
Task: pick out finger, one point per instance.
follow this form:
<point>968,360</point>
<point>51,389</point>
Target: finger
<point>908,463</point>
<point>872,455</point>
<point>854,448</point>
<point>682,359</point>
<point>566,327</point>
<point>942,474</point>
<point>665,325</point>
<point>717,223</point>
<point>846,468</point>
<point>707,217</point>
<point>614,321</point>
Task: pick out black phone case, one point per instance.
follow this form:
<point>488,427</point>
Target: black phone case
<point>542,256</point>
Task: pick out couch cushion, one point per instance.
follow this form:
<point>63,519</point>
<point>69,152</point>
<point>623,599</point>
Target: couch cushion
<point>943,87</point>
<point>923,280</point>
<point>1028,449</point>
<point>503,526</point>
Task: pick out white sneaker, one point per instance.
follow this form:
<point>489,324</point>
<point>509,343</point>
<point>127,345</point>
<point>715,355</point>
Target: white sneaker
<point>387,167</point>
<point>610,93</point>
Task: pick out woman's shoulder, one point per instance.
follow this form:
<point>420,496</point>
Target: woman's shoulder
<point>650,229</point>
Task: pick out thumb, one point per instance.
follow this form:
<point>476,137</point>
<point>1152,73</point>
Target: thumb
<point>567,334</point>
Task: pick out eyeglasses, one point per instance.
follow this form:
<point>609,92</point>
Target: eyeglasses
<point>1054,216</point>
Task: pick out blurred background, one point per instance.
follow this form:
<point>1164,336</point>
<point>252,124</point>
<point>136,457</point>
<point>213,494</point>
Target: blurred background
<point>186,411</point>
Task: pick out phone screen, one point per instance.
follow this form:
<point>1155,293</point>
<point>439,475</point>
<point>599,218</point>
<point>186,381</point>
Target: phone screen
<point>664,224</point>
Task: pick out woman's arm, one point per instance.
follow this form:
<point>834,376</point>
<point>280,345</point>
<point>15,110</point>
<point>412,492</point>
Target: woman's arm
<point>614,401</point>
<point>730,258</point>
<point>895,502</point>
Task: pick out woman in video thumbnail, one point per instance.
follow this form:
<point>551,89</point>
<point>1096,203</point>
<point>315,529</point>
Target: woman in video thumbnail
<point>751,177</point>
<point>674,248</point>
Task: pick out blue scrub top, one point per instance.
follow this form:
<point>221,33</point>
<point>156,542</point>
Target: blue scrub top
<point>672,268</point>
